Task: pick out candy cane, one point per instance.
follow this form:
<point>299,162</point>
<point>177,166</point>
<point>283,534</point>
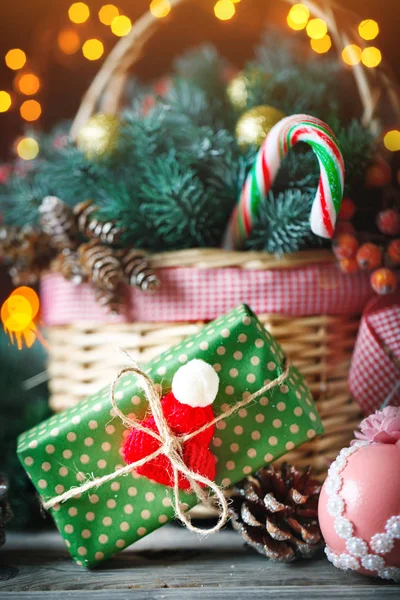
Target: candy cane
<point>283,136</point>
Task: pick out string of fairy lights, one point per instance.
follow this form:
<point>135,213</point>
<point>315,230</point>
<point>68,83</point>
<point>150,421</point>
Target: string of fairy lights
<point>72,39</point>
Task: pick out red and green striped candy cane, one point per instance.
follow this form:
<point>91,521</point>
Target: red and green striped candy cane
<point>283,136</point>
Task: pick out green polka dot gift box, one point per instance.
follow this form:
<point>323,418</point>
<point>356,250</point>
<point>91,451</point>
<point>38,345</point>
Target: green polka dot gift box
<point>85,442</point>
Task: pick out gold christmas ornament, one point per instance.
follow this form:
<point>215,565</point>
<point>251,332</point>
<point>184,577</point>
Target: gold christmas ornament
<point>99,136</point>
<point>254,125</point>
<point>239,87</point>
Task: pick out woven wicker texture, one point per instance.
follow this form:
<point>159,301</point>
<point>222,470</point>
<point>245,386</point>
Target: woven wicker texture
<point>84,358</point>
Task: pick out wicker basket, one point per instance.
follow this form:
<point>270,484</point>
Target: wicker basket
<point>83,355</point>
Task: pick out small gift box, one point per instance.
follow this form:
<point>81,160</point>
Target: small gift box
<point>262,409</point>
<point>374,378</point>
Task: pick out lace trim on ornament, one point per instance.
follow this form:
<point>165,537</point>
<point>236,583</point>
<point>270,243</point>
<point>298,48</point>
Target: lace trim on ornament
<point>360,554</point>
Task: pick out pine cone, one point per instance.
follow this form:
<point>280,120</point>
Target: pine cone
<point>5,511</point>
<point>138,272</point>
<point>276,511</point>
<point>58,222</point>
<point>10,241</point>
<point>29,251</point>
<point>67,263</point>
<point>100,265</point>
<point>88,225</point>
<point>112,300</point>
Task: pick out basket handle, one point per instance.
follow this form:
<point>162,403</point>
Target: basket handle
<point>108,84</point>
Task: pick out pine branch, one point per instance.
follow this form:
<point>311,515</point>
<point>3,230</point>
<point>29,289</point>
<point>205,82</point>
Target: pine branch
<point>283,224</point>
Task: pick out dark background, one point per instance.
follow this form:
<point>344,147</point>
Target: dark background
<point>33,25</point>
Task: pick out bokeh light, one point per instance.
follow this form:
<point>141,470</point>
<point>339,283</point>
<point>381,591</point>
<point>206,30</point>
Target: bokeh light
<point>321,46</point>
<point>16,313</point>
<point>31,296</point>
<point>392,140</point>
<point>224,10</point>
<point>5,101</point>
<point>30,110</point>
<point>79,12</point>
<point>93,49</point>
<point>299,14</point>
<point>15,59</point>
<point>371,57</point>
<point>368,29</point>
<point>316,29</point>
<point>28,84</point>
<point>121,26</point>
<point>68,41</point>
<point>160,8</point>
<point>27,148</point>
<point>352,54</point>
<point>108,13</point>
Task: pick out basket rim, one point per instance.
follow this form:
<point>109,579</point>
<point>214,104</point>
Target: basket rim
<point>214,258</point>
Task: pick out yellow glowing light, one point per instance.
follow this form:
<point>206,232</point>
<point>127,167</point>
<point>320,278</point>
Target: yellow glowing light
<point>15,59</point>
<point>371,57</point>
<point>352,55</point>
<point>5,101</point>
<point>392,140</point>
<point>316,29</point>
<point>107,14</point>
<point>293,25</point>
<point>29,84</point>
<point>16,313</point>
<point>30,110</point>
<point>31,296</point>
<point>321,46</point>
<point>121,26</point>
<point>224,10</point>
<point>27,148</point>
<point>368,29</point>
<point>160,8</point>
<point>93,49</point>
<point>68,41</point>
<point>79,12</point>
<point>299,14</point>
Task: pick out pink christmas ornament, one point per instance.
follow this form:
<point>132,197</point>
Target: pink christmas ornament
<point>359,506</point>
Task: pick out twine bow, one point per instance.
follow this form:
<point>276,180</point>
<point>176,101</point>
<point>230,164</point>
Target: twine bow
<point>171,446</point>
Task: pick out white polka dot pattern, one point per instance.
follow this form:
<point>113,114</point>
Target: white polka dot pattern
<point>86,441</point>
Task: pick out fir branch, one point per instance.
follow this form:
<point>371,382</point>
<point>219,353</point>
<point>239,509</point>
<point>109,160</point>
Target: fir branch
<point>283,224</point>
<point>183,213</point>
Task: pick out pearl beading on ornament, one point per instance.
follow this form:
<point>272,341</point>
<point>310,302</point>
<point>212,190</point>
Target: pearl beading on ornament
<point>359,553</point>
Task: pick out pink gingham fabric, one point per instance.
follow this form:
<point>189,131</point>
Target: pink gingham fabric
<point>375,369</point>
<point>188,294</point>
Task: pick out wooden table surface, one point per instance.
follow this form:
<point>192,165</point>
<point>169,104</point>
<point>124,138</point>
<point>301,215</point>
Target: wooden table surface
<point>172,564</point>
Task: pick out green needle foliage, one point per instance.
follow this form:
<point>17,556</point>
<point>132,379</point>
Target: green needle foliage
<point>175,173</point>
<point>20,409</point>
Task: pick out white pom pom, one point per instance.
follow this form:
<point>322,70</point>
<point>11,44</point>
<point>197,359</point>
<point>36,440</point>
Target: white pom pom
<point>195,384</point>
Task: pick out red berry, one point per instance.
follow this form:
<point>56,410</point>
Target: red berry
<point>384,281</point>
<point>349,265</point>
<point>379,174</point>
<point>345,245</point>
<point>162,86</point>
<point>344,227</point>
<point>394,251</point>
<point>389,222</point>
<point>369,256</point>
<point>347,210</point>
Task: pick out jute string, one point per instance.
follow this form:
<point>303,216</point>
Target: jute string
<point>171,446</point>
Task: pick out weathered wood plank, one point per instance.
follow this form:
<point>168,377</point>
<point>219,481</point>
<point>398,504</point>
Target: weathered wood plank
<point>253,593</point>
<point>172,563</point>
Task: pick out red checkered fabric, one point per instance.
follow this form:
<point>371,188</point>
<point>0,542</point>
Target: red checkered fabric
<point>188,294</point>
<point>374,377</point>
